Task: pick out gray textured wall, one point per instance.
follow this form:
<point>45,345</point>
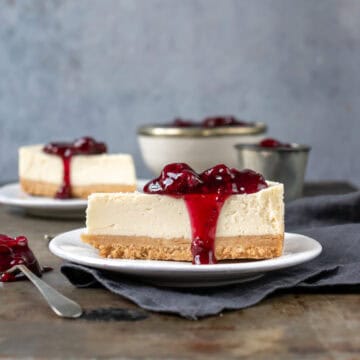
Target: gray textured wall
<point>103,67</point>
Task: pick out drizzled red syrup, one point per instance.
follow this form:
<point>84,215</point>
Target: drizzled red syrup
<point>273,143</point>
<point>204,195</point>
<point>211,122</point>
<point>66,150</point>
<point>15,251</point>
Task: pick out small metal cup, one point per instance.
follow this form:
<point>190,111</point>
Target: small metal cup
<point>285,165</point>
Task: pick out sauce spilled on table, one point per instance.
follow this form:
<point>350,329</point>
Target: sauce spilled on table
<point>16,251</point>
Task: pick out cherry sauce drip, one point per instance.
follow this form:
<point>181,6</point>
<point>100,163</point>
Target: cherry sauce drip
<point>66,150</point>
<point>204,195</point>
<point>15,251</point>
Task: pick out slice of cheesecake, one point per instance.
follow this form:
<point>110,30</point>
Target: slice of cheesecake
<point>64,175</point>
<point>192,222</point>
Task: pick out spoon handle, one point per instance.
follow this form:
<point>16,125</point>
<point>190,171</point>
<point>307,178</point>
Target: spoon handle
<point>59,303</point>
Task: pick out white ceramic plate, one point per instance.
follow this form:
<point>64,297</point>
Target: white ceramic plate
<point>12,195</point>
<point>298,249</point>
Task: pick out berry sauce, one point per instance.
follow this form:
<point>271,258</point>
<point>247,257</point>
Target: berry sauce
<point>16,251</point>
<point>183,123</point>
<point>211,122</point>
<point>216,121</point>
<point>66,150</point>
<point>204,195</point>
<point>273,143</point>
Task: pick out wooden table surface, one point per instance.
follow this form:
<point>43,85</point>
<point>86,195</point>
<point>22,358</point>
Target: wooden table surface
<point>296,325</point>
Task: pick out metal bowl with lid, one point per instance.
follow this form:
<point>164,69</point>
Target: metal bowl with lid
<point>200,147</point>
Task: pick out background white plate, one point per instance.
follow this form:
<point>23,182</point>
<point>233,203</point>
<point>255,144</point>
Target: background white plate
<point>12,195</point>
<point>297,249</point>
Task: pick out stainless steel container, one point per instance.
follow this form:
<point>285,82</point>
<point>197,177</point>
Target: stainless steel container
<point>285,165</point>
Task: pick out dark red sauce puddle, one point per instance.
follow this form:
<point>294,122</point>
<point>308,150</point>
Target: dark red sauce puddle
<point>211,122</point>
<point>204,195</point>
<point>66,150</point>
<point>273,143</point>
<point>15,251</point>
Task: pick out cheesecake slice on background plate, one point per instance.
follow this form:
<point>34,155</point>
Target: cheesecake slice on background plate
<point>74,170</point>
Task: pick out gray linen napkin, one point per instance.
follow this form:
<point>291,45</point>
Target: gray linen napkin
<point>332,220</point>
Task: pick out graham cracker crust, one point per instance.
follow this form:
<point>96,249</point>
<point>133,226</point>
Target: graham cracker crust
<point>146,248</point>
<point>40,188</point>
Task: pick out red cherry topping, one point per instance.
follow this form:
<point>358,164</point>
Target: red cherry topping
<point>183,123</point>
<point>82,146</point>
<point>175,179</point>
<point>211,122</point>
<point>216,121</point>
<point>273,143</point>
<point>181,179</point>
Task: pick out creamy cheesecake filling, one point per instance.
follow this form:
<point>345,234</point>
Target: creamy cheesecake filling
<point>159,216</point>
<point>97,169</point>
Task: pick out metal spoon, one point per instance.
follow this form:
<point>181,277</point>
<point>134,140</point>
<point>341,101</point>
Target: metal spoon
<point>60,304</point>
